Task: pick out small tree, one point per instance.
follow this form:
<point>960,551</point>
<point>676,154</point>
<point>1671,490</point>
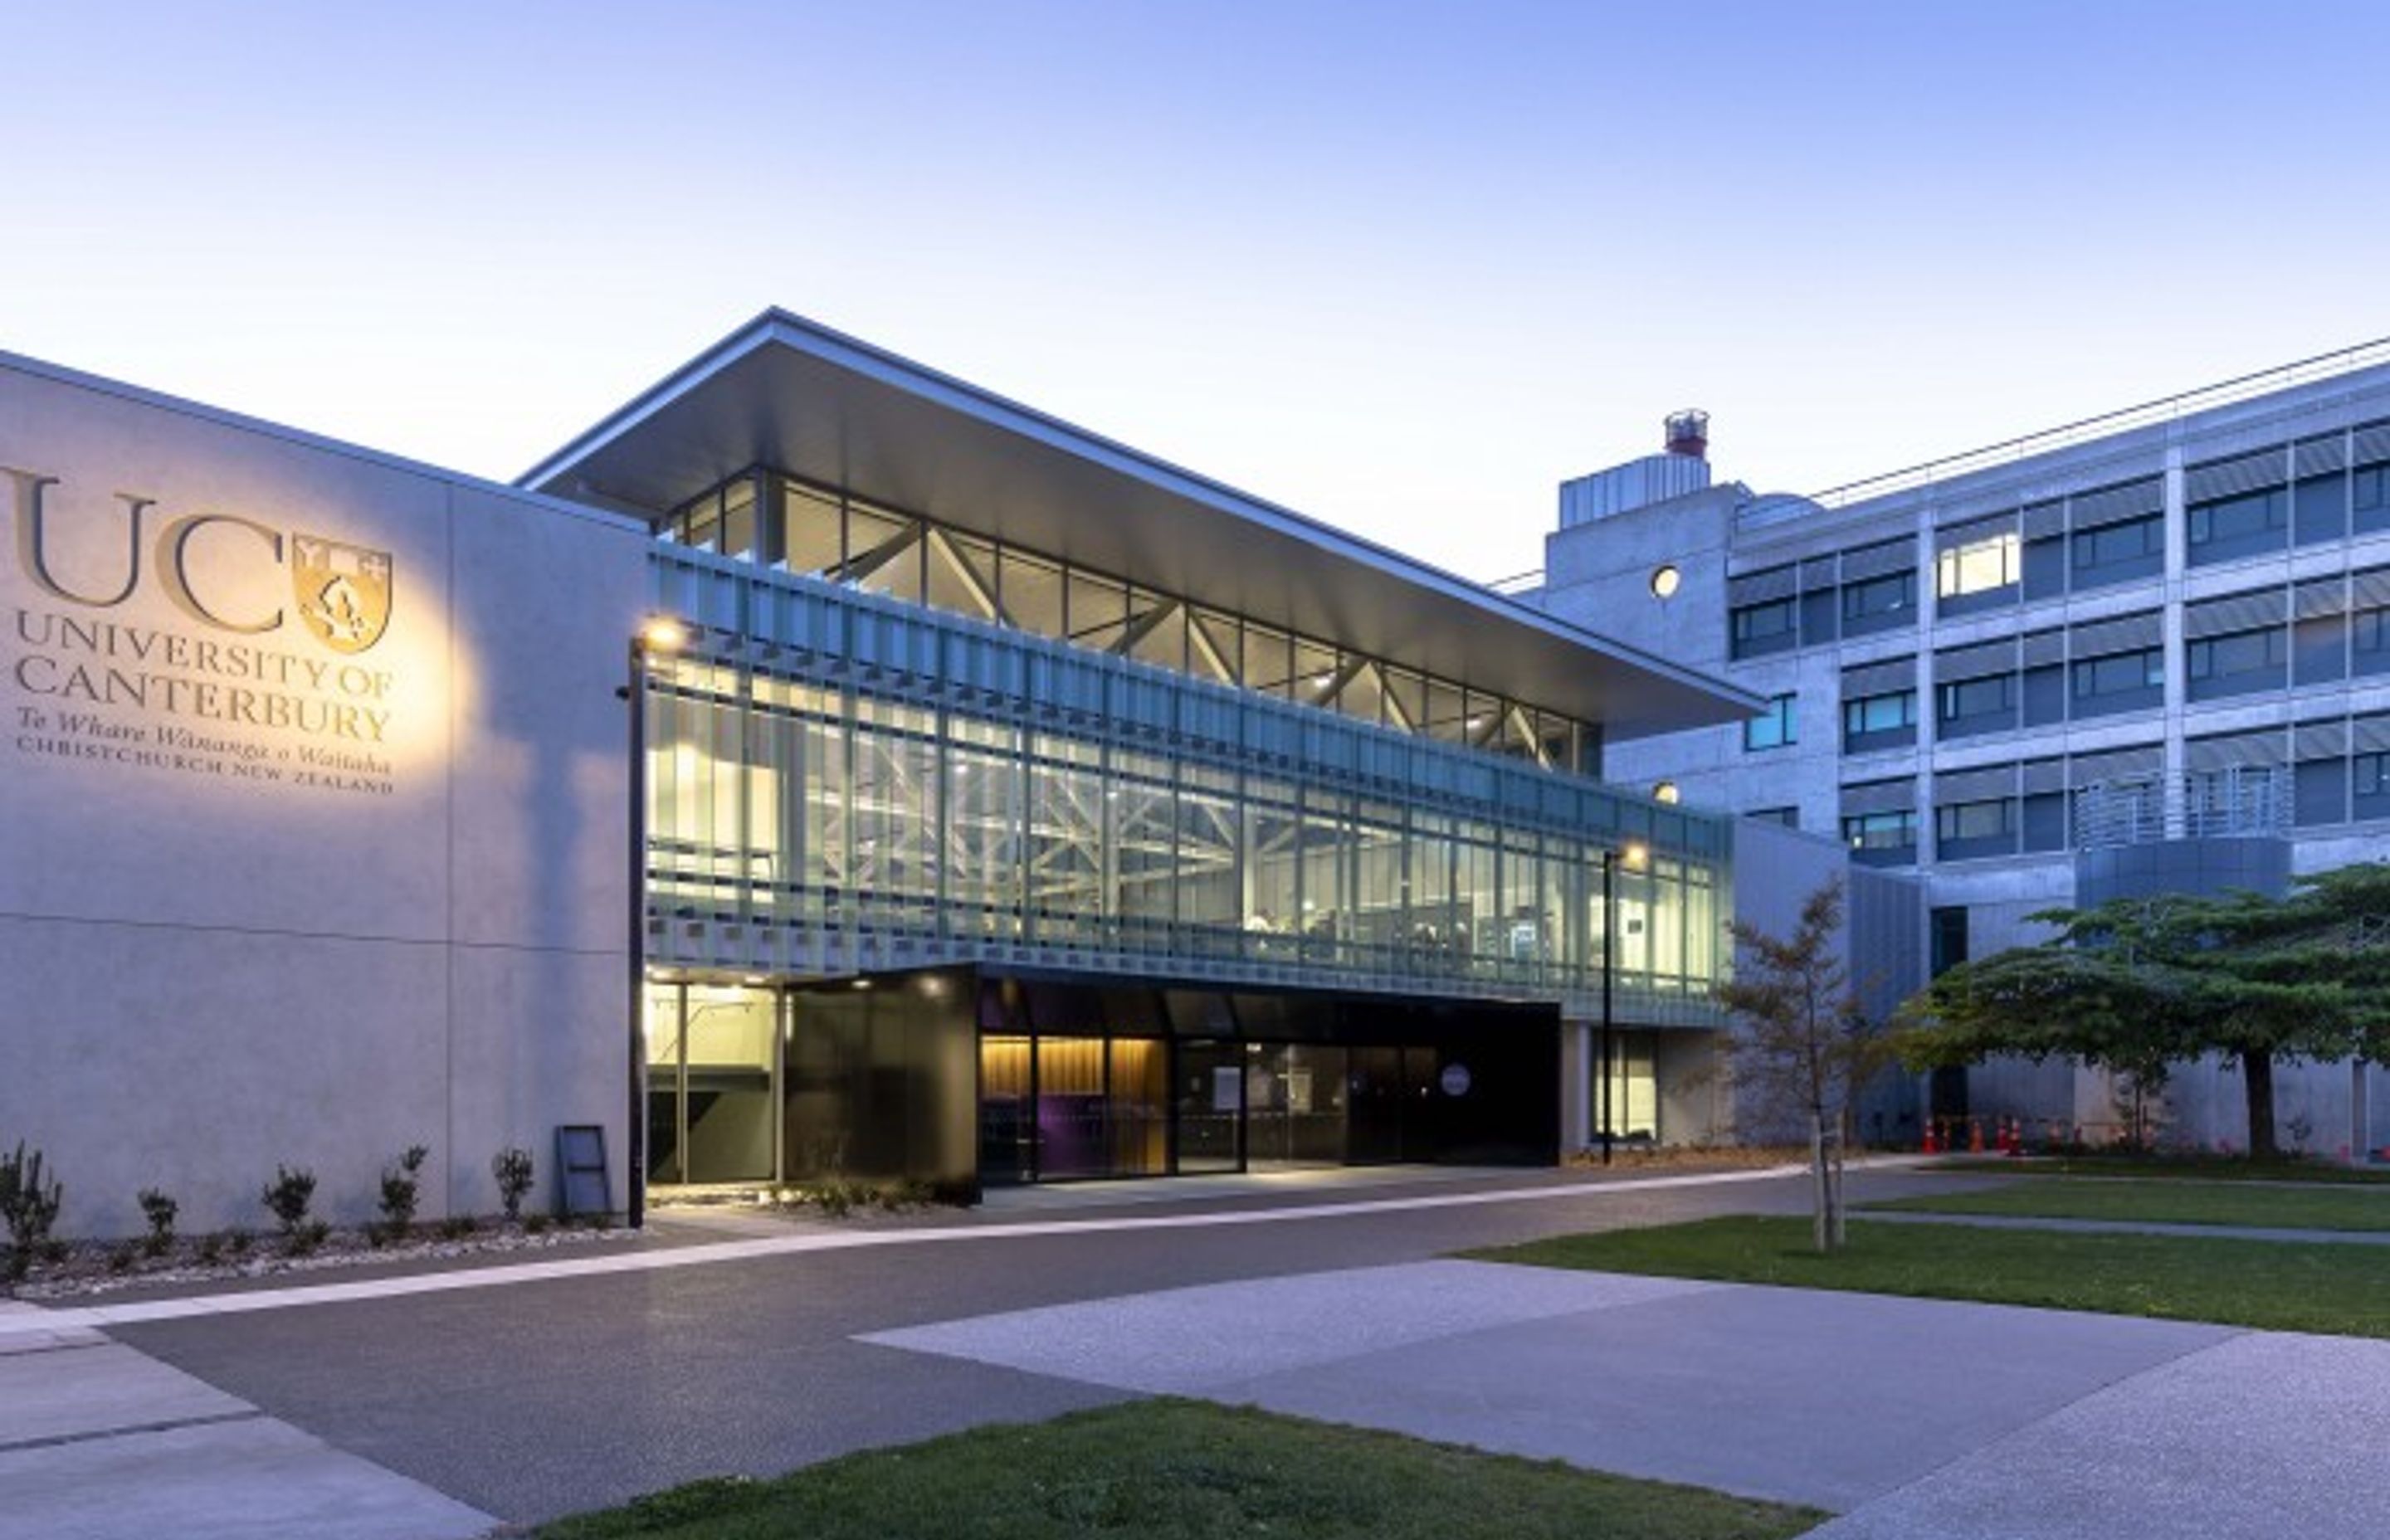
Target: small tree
<point>512,1169</point>
<point>158,1209</point>
<point>29,1205</point>
<point>401,1190</point>
<point>289,1197</point>
<point>1803,1047</point>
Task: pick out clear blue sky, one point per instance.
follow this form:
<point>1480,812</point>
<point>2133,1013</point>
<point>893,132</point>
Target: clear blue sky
<point>1402,266</point>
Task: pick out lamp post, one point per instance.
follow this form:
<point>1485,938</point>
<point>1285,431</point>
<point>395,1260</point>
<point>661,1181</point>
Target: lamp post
<point>1631,855</point>
<point>660,635</point>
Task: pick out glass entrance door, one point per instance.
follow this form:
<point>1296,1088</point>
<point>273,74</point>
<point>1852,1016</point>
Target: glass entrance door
<point>714,1064</point>
<point>1007,1131</point>
<point>1071,1121</point>
<point>1209,1098</point>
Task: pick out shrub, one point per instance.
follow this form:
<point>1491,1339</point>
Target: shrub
<point>289,1197</point>
<point>236,1241</point>
<point>307,1236</point>
<point>29,1203</point>
<point>123,1255</point>
<point>512,1168</point>
<point>159,1211</point>
<point>211,1250</point>
<point>401,1189</point>
<point>457,1227</point>
<point>535,1225</point>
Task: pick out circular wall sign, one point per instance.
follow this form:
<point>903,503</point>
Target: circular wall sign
<point>1456,1080</point>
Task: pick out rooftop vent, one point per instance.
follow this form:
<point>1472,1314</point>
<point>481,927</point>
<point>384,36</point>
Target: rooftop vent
<point>1689,433</point>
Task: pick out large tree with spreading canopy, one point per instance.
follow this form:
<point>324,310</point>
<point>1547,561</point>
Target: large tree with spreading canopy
<point>2136,984</point>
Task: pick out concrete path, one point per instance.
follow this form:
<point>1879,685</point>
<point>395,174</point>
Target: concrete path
<point>1908,1416</point>
<point>98,1441</point>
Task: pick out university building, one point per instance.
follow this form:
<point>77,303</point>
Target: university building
<point>821,766</point>
<point>2149,653</point>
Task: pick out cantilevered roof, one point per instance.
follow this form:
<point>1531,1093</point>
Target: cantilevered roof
<point>786,392</point>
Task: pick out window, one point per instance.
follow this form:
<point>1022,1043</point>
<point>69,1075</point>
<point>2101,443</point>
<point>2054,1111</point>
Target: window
<point>2116,552</point>
<point>1888,713</point>
<point>2234,664</point>
<point>2120,674</point>
<point>1882,833</point>
<point>1977,567</point>
<point>1875,604</point>
<point>1975,828</point>
<point>1990,696</point>
<point>2370,491</point>
<point>2238,526</point>
<point>1766,627</point>
<point>2368,636</point>
<point>1789,817</point>
<point>1775,728</point>
<point>2373,783</point>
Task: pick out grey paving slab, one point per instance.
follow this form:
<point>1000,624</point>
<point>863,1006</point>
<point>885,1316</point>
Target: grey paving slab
<point>252,1480</point>
<point>1801,1396</point>
<point>30,1328</point>
<point>1190,1340</point>
<point>77,1390</point>
<point>1824,1398</point>
<point>2262,1437</point>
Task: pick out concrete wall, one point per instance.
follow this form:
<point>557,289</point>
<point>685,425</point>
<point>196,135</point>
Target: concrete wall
<point>1775,869</point>
<point>275,894</point>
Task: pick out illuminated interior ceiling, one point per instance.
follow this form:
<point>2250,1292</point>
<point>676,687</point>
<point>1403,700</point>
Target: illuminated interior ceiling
<point>786,392</point>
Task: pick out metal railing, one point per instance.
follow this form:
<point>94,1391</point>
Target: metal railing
<point>2241,802</point>
<point>2224,392</point>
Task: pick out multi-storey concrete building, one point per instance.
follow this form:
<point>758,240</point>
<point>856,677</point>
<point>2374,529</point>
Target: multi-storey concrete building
<point>2150,648</point>
<point>994,803</point>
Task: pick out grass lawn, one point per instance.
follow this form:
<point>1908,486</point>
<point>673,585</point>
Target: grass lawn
<point>2173,1202</point>
<point>1173,1470</point>
<point>2196,1168</point>
<point>2342,1289</point>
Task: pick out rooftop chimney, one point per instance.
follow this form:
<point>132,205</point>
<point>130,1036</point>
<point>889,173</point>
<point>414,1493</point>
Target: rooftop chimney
<point>1689,434</point>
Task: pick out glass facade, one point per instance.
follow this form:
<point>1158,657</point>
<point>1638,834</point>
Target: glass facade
<point>781,522</point>
<point>838,781</point>
<point>970,864</point>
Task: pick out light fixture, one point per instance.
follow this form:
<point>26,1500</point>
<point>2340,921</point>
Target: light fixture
<point>662,633</point>
<point>1666,580</point>
<point>1634,855</point>
<point>1666,791</point>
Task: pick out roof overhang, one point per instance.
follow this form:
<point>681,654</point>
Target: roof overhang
<point>786,392</point>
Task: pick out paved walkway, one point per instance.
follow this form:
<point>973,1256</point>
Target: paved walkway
<point>98,1441</point>
<point>796,1239</point>
<point>1907,1417</point>
<point>526,1387</point>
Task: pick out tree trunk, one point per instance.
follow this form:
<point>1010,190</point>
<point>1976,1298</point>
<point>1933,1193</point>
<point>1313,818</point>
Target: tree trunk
<point>1835,1208</point>
<point>2257,1077</point>
<point>1820,1184</point>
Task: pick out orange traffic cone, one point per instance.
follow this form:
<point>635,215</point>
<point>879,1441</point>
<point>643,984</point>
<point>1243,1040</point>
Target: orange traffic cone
<point>1974,1135</point>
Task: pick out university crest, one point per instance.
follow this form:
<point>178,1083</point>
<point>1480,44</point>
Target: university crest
<point>344,591</point>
